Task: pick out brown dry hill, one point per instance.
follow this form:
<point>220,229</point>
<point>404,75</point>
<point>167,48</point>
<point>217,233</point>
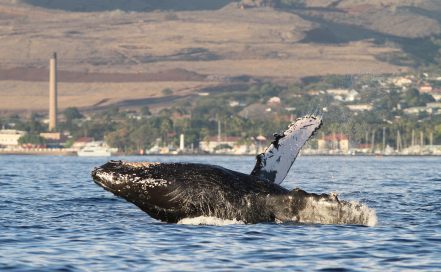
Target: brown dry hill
<point>116,55</point>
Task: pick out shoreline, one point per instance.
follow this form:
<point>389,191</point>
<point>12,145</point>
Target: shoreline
<point>73,153</point>
<point>45,152</point>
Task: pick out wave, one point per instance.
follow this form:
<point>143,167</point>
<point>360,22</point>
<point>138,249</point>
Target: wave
<point>314,211</point>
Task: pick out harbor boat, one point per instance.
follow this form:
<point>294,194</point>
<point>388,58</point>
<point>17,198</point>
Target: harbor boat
<point>95,149</point>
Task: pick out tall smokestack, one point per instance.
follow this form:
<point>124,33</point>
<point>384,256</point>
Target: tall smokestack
<point>182,142</point>
<point>53,92</point>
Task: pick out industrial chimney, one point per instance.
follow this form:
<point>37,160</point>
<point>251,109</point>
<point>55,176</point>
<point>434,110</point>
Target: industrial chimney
<point>53,92</point>
<point>182,143</point>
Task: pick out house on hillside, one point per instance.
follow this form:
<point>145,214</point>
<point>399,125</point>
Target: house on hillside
<point>346,95</point>
<point>255,3</point>
<point>426,88</point>
<point>360,107</point>
<point>402,81</point>
<point>314,92</point>
<point>274,101</point>
<point>430,108</point>
<point>434,92</point>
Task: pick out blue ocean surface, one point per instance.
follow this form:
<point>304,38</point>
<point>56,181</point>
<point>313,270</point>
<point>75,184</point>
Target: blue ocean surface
<point>54,218</point>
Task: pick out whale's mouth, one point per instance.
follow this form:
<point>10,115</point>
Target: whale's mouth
<point>105,175</point>
<point>100,179</point>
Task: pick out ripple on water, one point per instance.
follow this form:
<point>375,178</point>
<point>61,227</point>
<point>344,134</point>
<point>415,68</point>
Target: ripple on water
<point>56,219</point>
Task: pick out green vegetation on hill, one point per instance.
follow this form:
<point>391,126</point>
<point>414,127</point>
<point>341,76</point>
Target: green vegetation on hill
<point>253,111</point>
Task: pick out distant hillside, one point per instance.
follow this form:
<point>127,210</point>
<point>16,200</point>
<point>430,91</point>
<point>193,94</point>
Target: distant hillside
<point>128,5</point>
<point>400,18</point>
<point>414,26</point>
<point>115,50</point>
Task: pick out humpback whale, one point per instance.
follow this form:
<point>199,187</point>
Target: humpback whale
<point>173,192</point>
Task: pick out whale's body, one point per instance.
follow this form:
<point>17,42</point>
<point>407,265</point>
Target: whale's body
<point>171,192</point>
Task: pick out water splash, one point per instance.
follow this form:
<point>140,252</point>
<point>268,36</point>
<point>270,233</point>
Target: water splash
<point>326,211</point>
<point>205,220</point>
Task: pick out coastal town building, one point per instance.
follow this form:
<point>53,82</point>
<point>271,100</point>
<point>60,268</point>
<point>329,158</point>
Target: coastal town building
<point>244,4</point>
<point>402,81</point>
<point>231,145</point>
<point>82,142</point>
<point>314,92</point>
<point>360,107</point>
<point>426,88</point>
<point>337,142</point>
<point>234,103</point>
<point>431,108</point>
<point>273,101</point>
<point>51,136</point>
<point>9,137</point>
<point>216,145</point>
<point>346,95</point>
<point>434,92</point>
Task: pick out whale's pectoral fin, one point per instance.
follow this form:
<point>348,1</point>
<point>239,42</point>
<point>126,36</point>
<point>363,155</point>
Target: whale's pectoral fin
<point>278,158</point>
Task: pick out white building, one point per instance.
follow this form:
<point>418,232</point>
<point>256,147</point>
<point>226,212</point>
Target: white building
<point>224,145</point>
<point>9,137</point>
<point>230,145</point>
<point>274,101</point>
<point>343,94</point>
<point>360,107</point>
<point>402,81</point>
<point>426,88</point>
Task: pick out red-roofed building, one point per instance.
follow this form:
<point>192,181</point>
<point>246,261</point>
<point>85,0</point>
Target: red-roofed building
<point>426,88</point>
<point>436,93</point>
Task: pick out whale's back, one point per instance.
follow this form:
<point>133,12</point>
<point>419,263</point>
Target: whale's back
<point>172,191</point>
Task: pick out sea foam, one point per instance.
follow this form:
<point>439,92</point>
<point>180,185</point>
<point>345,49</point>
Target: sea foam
<point>207,220</point>
<point>328,211</point>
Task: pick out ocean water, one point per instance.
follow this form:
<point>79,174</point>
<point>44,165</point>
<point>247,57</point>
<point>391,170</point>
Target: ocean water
<point>54,218</point>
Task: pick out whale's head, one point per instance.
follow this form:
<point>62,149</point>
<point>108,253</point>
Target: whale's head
<point>115,176</point>
<point>144,184</point>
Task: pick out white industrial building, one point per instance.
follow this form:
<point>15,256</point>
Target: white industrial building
<point>9,137</point>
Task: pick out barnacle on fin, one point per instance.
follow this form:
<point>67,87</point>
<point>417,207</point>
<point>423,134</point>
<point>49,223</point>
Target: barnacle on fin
<point>277,137</point>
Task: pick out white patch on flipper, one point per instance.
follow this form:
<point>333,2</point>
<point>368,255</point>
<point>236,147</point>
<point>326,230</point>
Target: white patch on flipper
<point>208,220</point>
<point>278,158</point>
